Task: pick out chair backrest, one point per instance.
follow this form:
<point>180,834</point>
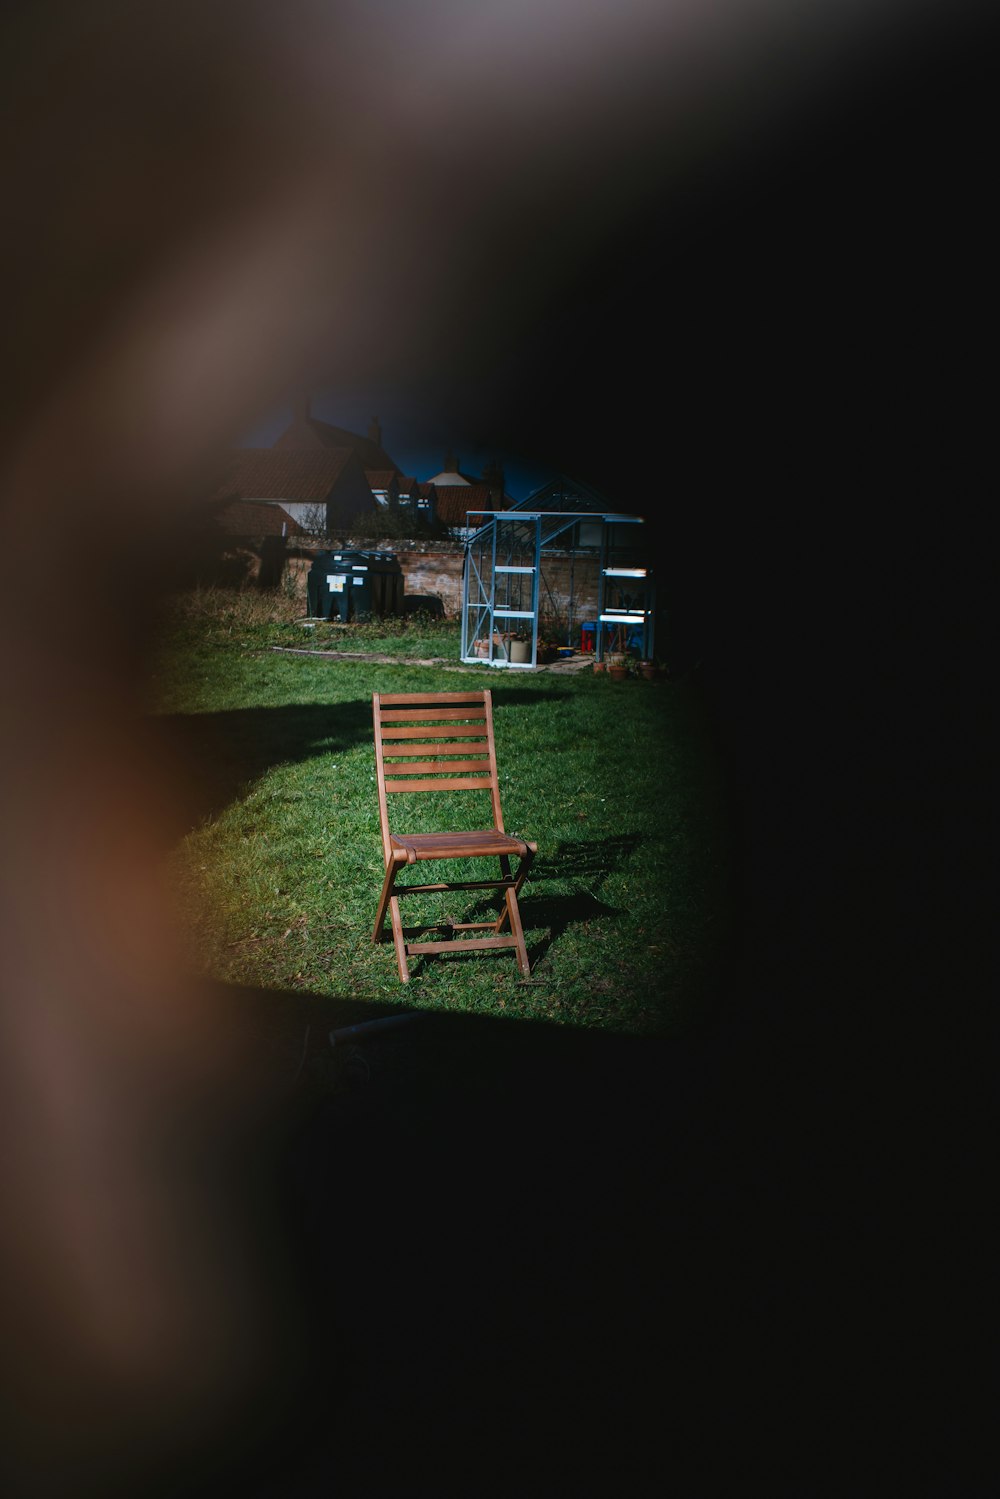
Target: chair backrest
<point>434,741</point>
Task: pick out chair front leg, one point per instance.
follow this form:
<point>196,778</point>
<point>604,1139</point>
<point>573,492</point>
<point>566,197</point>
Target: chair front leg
<point>391,870</point>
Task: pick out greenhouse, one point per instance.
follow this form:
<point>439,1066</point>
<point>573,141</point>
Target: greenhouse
<point>556,571</point>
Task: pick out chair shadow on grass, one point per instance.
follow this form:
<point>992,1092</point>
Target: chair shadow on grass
<point>588,863</point>
<point>214,759</point>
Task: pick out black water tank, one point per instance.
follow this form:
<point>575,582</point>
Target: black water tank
<point>347,585</point>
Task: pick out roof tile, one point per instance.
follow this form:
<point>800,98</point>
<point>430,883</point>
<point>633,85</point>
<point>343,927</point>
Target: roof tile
<point>270,474</point>
<point>249,518</point>
<point>309,434</point>
<point>453,500</point>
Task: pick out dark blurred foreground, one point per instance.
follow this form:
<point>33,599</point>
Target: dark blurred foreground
<point>743,265</point>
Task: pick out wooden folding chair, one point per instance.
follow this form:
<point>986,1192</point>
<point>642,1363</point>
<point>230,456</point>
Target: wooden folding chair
<point>443,742</point>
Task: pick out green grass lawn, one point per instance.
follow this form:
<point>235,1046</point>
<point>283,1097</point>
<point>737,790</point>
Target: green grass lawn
<point>278,865</point>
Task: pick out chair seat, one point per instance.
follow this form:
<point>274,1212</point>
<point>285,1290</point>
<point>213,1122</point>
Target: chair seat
<point>486,844</point>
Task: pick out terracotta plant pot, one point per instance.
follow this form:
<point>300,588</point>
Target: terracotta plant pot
<point>618,673</point>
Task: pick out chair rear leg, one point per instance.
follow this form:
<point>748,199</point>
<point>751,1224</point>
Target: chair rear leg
<point>522,871</point>
<point>399,938</point>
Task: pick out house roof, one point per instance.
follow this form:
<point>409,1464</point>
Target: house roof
<point>270,474</point>
<point>381,478</point>
<point>450,478</point>
<point>453,500</point>
<point>309,434</point>
<point>254,518</point>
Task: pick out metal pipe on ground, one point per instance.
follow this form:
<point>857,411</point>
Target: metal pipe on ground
<point>371,1027</point>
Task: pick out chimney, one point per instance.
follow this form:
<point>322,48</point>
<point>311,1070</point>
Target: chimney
<point>450,464</point>
<point>301,411</point>
<point>494,481</point>
<point>375,432</point>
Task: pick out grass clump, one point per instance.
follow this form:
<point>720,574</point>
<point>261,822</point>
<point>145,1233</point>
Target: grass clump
<point>279,864</point>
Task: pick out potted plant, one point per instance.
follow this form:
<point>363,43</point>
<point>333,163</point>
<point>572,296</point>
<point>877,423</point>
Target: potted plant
<point>649,669</point>
<point>520,649</point>
<point>481,647</point>
<point>617,663</point>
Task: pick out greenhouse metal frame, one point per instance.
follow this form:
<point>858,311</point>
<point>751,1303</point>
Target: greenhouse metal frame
<point>504,577</point>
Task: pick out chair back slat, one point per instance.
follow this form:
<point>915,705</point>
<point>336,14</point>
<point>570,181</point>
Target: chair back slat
<point>439,783</point>
<point>421,699</point>
<point>461,730</point>
<point>440,751</point>
<point>428,715</point>
<point>435,767</point>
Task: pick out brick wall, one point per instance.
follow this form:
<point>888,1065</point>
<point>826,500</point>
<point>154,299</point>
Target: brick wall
<point>435,569</point>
